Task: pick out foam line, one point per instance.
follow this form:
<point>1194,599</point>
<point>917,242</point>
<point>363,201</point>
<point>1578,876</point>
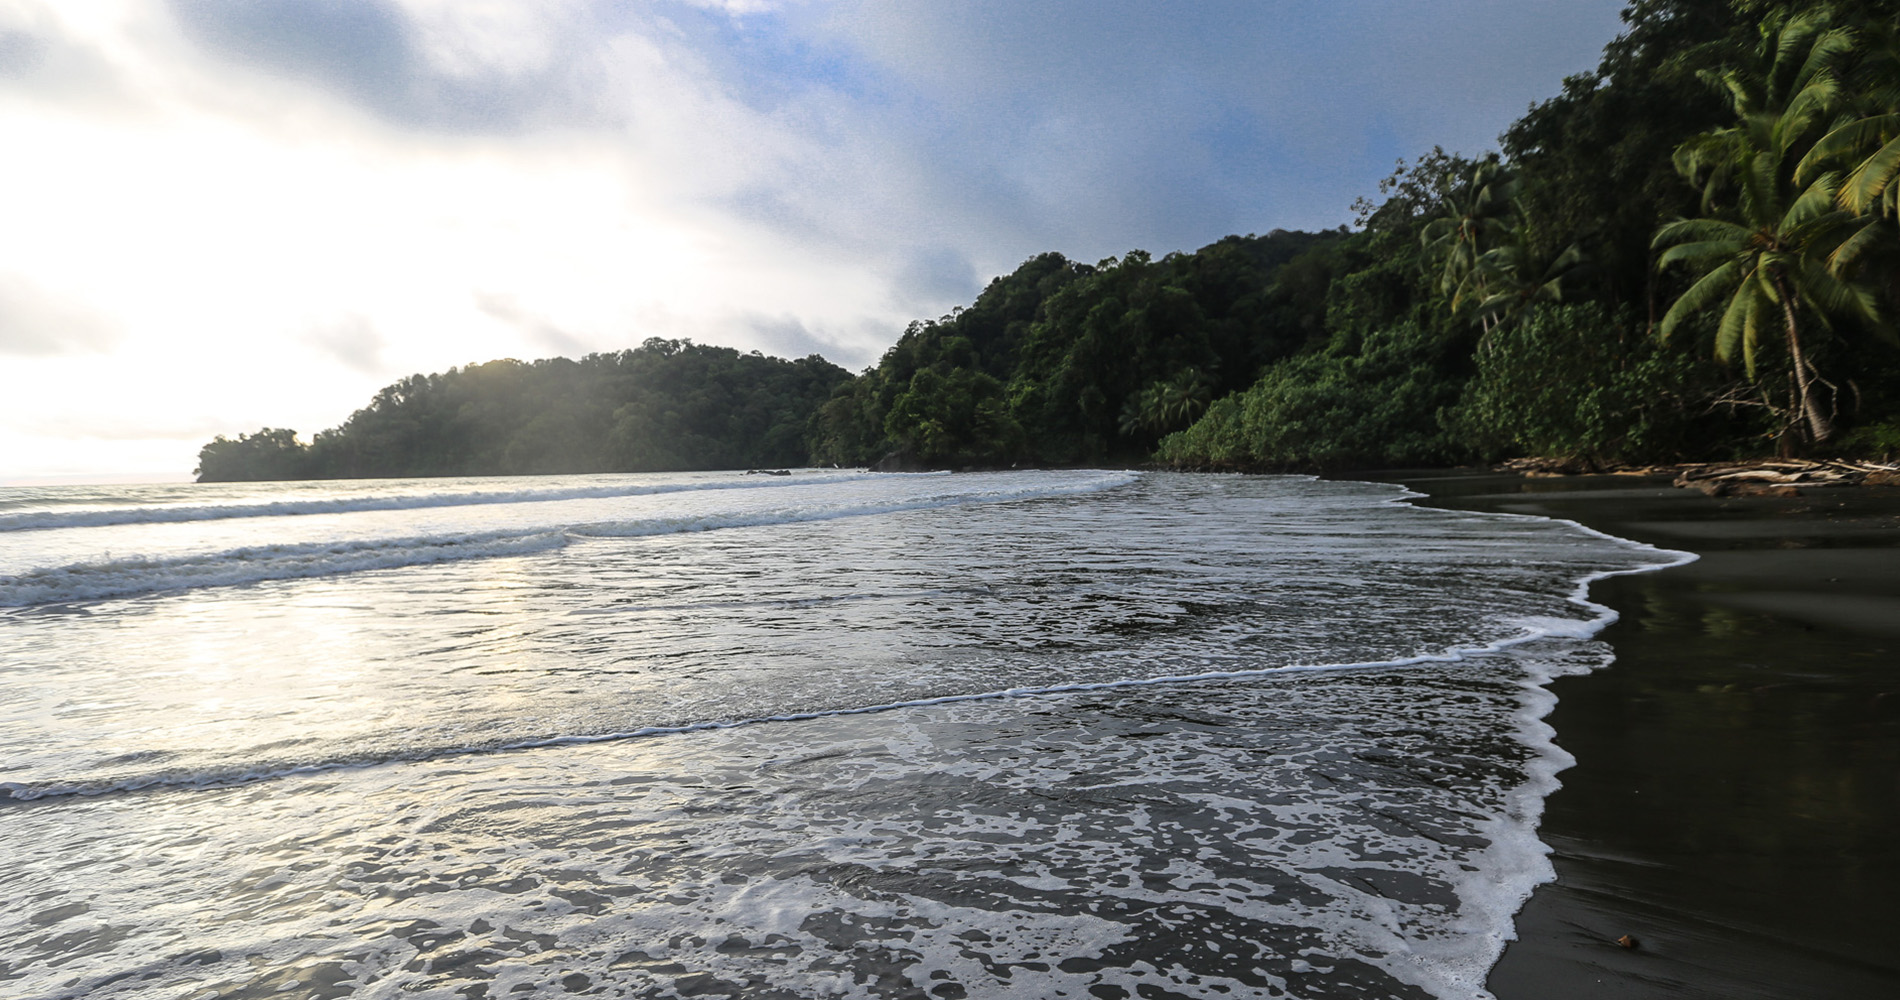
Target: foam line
<point>1517,860</point>
<point>127,577</point>
<point>1556,628</point>
<point>132,576</point>
<point>96,517</point>
<point>1601,617</point>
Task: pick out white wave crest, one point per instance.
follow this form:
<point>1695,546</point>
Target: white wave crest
<point>129,576</point>
<point>136,575</point>
<point>92,517</point>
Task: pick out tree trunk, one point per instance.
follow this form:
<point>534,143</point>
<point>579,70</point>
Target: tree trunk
<point>1820,428</point>
<point>1649,294</point>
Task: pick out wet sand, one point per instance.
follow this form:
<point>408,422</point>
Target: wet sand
<point>1735,806</point>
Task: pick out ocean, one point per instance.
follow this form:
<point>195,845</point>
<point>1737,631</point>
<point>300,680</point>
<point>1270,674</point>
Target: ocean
<point>1093,734</point>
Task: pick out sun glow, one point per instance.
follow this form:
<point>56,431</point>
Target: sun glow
<point>272,256</point>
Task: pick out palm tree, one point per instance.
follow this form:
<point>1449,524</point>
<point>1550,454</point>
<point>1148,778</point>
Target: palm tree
<point>1184,397</point>
<point>1765,242</point>
<point>1768,269</point>
<point>1170,405</point>
<point>1475,218</point>
<point>1515,281</point>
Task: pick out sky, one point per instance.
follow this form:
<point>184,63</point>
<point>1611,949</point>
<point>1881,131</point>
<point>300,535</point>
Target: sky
<point>221,215</point>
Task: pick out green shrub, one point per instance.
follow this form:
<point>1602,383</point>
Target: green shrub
<point>1335,408</point>
<point>1575,381</point>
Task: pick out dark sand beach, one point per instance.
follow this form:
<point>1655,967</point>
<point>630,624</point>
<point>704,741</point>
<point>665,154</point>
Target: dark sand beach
<point>1735,806</point>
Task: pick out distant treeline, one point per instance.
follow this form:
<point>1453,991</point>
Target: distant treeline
<point>1692,252</point>
<point>668,405</point>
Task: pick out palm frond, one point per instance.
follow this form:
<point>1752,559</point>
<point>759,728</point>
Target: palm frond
<point>1709,159</point>
<point>1769,265</point>
<point>1845,141</point>
<point>1829,51</point>
<point>1785,49</point>
<point>1699,230</point>
<point>1701,250</point>
<point>1806,112</point>
<point>1760,190</point>
<point>1829,295</point>
<point>1825,52</point>
<point>1815,200</point>
<point>1872,178</point>
<point>1700,295</point>
<point>1751,330</point>
<point>1851,249</point>
<point>1817,237</point>
<point>1728,333</point>
<point>1732,84</point>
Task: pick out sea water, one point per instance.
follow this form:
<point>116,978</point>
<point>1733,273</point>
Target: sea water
<point>1058,734</point>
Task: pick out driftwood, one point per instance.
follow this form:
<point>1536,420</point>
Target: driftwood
<point>1786,478</point>
<point>1776,477</point>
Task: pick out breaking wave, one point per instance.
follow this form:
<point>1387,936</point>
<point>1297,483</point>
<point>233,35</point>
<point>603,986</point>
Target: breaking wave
<point>94,517</point>
<point>134,575</point>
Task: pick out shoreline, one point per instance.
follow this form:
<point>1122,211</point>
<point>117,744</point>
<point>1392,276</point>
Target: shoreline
<point>1737,785</point>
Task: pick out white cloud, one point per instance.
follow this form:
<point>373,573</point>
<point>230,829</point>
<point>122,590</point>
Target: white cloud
<point>352,342</point>
<point>37,322</point>
<point>479,37</point>
<point>226,235</point>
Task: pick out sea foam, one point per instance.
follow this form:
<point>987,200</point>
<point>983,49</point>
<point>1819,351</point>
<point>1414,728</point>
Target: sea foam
<point>125,576</point>
<point>95,515</point>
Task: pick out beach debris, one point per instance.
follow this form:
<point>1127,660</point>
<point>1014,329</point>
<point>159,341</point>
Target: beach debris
<point>1626,942</point>
<point>1767,478</point>
<point>1784,478</point>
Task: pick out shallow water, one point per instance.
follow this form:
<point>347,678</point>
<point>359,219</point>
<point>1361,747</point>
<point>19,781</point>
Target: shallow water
<point>1081,733</point>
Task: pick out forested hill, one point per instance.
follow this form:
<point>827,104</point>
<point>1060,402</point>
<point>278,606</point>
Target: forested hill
<point>668,405</point>
<point>1061,362</point>
<point>1692,252</point>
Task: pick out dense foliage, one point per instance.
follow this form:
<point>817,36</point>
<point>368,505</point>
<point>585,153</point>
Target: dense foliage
<point>1061,362</point>
<point>668,405</point>
<point>1687,253</point>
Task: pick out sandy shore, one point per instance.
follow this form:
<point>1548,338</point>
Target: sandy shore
<point>1735,806</point>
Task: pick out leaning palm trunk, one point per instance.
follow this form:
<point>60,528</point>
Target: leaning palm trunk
<point>1820,427</point>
